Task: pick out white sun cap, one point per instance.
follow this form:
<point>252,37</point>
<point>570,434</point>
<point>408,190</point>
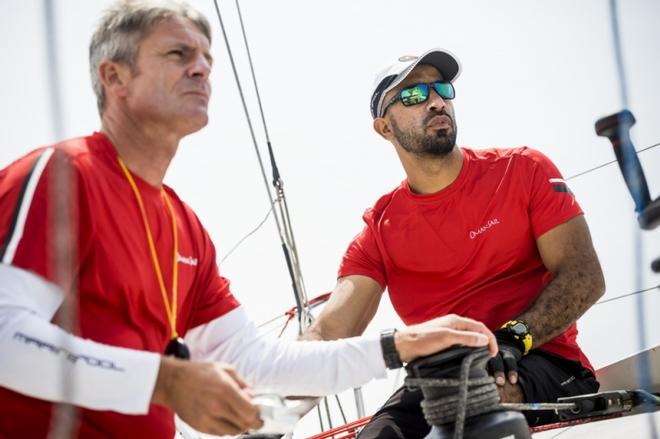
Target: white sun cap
<point>390,77</point>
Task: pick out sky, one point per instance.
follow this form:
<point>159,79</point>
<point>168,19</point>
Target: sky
<point>534,73</point>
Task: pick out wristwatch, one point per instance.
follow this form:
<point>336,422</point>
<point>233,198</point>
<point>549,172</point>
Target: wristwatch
<point>519,330</point>
<point>390,354</point>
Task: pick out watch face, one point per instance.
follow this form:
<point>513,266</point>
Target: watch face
<point>519,328</point>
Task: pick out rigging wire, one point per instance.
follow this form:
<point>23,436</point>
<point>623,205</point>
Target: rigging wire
<point>245,109</point>
<point>254,78</point>
<point>252,232</point>
<point>595,168</point>
<point>623,296</point>
<point>284,223</point>
<point>299,287</point>
<point>282,217</point>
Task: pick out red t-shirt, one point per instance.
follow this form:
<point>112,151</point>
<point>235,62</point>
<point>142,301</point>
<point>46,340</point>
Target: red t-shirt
<point>119,300</point>
<point>469,249</point>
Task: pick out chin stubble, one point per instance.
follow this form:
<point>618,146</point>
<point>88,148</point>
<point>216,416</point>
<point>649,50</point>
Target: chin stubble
<point>438,145</point>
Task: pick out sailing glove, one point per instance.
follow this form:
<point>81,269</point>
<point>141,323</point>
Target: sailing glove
<point>505,363</point>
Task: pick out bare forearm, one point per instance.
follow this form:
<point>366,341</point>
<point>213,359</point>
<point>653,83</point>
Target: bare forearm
<point>323,329</point>
<point>568,253</point>
<point>335,325</point>
<point>312,333</point>
<point>351,307</point>
<point>562,302</point>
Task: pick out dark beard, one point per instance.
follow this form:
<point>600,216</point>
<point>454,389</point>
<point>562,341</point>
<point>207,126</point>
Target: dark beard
<point>438,144</point>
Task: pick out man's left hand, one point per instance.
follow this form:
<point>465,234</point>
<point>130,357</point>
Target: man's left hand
<point>506,360</point>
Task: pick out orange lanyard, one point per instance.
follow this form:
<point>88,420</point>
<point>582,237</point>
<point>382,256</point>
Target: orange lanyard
<point>170,308</point>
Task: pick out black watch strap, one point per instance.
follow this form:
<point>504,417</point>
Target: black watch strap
<point>390,354</point>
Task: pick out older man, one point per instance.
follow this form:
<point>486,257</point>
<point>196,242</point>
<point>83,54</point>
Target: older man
<point>492,234</point>
<point>142,274</point>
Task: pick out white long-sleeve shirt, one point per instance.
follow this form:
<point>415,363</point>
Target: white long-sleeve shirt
<point>37,354</point>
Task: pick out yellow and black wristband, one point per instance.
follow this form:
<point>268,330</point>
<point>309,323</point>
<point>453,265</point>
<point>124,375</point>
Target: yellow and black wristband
<point>519,330</point>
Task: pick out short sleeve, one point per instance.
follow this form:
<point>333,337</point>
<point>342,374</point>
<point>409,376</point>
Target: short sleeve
<point>213,295</point>
<point>41,220</point>
<point>551,200</point>
<point>363,257</point>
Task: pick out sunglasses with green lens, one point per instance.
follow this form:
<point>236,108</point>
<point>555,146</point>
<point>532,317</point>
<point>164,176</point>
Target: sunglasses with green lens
<point>418,93</point>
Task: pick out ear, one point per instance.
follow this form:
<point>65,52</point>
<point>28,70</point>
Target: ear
<point>114,77</point>
<point>383,128</point>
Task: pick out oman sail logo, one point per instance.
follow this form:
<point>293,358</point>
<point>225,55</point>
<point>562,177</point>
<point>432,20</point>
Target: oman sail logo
<point>188,260</point>
<point>483,229</point>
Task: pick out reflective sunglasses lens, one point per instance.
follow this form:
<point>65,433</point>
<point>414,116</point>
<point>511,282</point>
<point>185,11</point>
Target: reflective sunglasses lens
<point>444,89</point>
<point>415,94</point>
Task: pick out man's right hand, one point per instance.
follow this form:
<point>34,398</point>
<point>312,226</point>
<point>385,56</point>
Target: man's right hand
<point>210,397</point>
<point>441,333</point>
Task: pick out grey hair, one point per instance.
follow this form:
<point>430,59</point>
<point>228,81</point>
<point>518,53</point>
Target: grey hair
<point>124,25</point>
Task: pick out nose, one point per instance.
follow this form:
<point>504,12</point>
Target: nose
<point>200,67</point>
<point>435,102</point>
